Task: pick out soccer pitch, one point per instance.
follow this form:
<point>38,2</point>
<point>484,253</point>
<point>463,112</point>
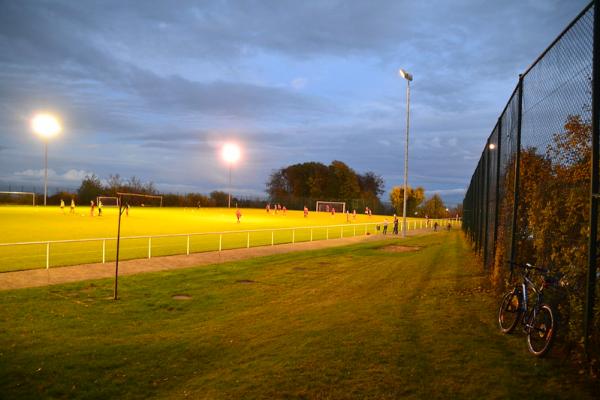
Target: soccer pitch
<point>33,224</point>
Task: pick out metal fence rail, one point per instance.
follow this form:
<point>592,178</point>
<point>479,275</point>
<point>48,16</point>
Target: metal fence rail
<point>40,254</point>
<point>532,197</point>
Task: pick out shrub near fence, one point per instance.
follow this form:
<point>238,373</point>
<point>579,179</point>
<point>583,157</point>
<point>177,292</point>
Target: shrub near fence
<point>530,195</point>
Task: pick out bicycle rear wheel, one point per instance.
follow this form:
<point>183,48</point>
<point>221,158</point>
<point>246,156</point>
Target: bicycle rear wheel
<point>541,332</point>
<point>510,311</point>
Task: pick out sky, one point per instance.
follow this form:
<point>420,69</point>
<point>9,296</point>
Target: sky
<point>153,89</point>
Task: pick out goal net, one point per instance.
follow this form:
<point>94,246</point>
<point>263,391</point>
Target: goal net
<point>27,198</point>
<point>141,200</point>
<point>328,206</point>
<point>108,201</point>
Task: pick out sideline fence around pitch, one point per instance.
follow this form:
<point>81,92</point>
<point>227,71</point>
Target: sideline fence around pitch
<point>55,253</point>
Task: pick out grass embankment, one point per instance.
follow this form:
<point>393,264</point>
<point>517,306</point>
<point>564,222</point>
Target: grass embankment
<point>29,224</point>
<point>353,322</point>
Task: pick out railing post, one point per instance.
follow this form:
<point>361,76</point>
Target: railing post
<point>220,241</point>
<point>341,232</point>
<point>354,230</point>
<point>103,251</point>
<point>248,241</point>
<point>272,238</point>
<point>293,236</point>
<point>187,249</point>
<point>150,247</point>
<point>311,234</point>
<point>327,234</point>
<point>47,255</point>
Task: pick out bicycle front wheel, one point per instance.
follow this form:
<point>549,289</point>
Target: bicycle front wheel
<point>541,332</point>
<point>510,311</point>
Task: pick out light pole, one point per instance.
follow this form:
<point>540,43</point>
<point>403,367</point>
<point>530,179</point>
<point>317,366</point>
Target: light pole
<point>408,78</point>
<point>46,126</point>
<point>231,154</point>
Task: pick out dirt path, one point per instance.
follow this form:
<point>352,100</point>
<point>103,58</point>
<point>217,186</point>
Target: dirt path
<point>55,276</point>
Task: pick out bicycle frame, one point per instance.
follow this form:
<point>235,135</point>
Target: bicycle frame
<point>529,315</point>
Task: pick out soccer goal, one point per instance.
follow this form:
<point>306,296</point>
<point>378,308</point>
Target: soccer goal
<point>108,201</point>
<point>327,206</point>
<point>142,200</point>
<point>17,198</point>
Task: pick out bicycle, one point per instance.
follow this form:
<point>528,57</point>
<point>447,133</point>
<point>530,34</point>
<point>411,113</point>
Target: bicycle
<point>538,320</point>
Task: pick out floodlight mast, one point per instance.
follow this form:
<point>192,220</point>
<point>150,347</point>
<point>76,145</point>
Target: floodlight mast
<point>231,154</point>
<point>408,78</point>
<point>46,126</point>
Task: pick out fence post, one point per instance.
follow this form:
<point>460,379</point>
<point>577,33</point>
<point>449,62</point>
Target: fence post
<point>293,236</point>
<point>513,238</point>
<point>248,241</point>
<point>327,234</point>
<point>272,238</point>
<point>47,255</point>
<point>311,234</point>
<point>592,262</point>
<point>497,195</point>
<point>220,241</point>
<point>187,249</point>
<point>150,247</point>
<point>103,251</point>
<point>486,200</point>
<point>341,232</point>
<point>354,230</point>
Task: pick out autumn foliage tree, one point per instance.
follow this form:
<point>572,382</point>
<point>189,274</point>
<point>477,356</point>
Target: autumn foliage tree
<point>414,199</point>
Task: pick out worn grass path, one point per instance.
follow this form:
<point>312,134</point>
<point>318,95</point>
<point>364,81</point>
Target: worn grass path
<point>348,322</point>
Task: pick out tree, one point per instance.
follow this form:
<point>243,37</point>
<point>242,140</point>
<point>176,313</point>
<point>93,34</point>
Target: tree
<point>310,181</point>
<point>90,188</point>
<point>220,198</point>
<point>343,182</point>
<point>434,207</point>
<point>371,183</point>
<point>414,199</point>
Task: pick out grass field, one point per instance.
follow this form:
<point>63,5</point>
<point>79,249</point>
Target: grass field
<point>352,322</point>
<point>29,224</point>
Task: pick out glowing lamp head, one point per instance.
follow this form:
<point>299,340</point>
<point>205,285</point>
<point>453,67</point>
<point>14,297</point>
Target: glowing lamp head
<point>46,125</point>
<point>231,153</point>
<point>405,75</point>
<point>492,146</point>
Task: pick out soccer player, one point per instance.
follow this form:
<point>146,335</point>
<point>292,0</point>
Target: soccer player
<point>99,208</point>
<point>238,214</point>
<point>283,209</point>
<point>305,212</point>
<point>92,206</point>
<point>354,214</point>
<point>62,206</point>
<point>127,209</point>
<point>72,206</point>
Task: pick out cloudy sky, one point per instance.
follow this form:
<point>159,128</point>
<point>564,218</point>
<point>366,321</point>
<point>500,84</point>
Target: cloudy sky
<point>154,88</point>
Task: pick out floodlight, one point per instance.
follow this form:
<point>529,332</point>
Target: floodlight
<point>492,146</point>
<point>45,125</point>
<point>231,153</point>
<point>405,75</point>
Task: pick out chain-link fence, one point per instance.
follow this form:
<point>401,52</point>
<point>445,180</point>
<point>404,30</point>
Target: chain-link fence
<point>532,196</point>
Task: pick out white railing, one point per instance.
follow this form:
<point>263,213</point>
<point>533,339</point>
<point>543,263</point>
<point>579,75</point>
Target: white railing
<point>328,231</point>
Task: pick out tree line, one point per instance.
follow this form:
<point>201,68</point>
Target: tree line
<point>303,184</point>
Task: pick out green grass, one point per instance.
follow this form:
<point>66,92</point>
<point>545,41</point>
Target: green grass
<point>352,322</point>
<point>30,224</point>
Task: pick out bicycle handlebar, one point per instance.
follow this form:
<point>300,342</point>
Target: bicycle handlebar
<point>527,266</point>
